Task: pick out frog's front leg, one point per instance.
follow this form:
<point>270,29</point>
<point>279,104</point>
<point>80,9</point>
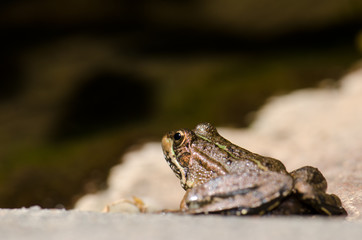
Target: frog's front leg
<point>250,192</point>
<point>310,187</point>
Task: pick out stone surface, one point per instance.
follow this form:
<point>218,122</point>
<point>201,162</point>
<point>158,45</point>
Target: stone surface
<point>317,127</point>
<point>38,224</point>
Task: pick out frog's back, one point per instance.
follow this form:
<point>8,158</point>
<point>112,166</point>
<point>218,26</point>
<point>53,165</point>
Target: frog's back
<point>241,155</point>
<point>261,162</point>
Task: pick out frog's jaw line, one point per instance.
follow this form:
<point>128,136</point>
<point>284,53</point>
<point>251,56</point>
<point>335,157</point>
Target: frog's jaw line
<point>178,166</point>
<point>172,161</point>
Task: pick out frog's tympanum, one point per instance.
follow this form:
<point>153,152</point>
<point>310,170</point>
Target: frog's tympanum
<point>220,177</point>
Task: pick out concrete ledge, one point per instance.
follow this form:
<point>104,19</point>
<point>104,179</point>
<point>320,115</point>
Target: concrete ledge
<point>36,223</point>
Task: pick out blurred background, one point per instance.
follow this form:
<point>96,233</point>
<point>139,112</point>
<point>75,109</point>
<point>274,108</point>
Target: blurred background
<point>83,81</point>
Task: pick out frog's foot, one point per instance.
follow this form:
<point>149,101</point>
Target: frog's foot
<point>239,194</point>
<point>137,202</point>
<point>310,187</point>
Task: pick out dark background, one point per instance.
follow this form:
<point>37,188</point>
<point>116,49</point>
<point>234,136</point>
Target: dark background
<point>82,81</point>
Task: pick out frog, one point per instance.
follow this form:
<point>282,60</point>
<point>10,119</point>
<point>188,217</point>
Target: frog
<point>220,177</point>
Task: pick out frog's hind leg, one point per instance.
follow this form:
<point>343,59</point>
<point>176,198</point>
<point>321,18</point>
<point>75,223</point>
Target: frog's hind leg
<point>247,193</point>
<point>310,187</point>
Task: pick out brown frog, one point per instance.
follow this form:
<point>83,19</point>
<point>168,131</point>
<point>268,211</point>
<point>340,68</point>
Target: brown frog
<point>220,177</point>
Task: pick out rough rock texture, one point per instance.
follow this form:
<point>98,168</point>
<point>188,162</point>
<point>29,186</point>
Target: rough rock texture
<point>317,127</point>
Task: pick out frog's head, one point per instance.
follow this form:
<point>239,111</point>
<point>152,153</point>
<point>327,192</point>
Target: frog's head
<point>195,156</point>
<point>176,150</point>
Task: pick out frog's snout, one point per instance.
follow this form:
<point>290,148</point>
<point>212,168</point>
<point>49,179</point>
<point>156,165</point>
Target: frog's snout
<point>166,144</point>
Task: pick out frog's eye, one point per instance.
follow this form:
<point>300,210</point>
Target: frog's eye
<point>178,137</point>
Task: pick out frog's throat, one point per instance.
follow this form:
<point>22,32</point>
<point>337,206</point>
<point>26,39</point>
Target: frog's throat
<point>223,147</point>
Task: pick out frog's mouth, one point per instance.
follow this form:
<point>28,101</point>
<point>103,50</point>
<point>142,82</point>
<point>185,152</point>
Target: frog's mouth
<point>170,156</point>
